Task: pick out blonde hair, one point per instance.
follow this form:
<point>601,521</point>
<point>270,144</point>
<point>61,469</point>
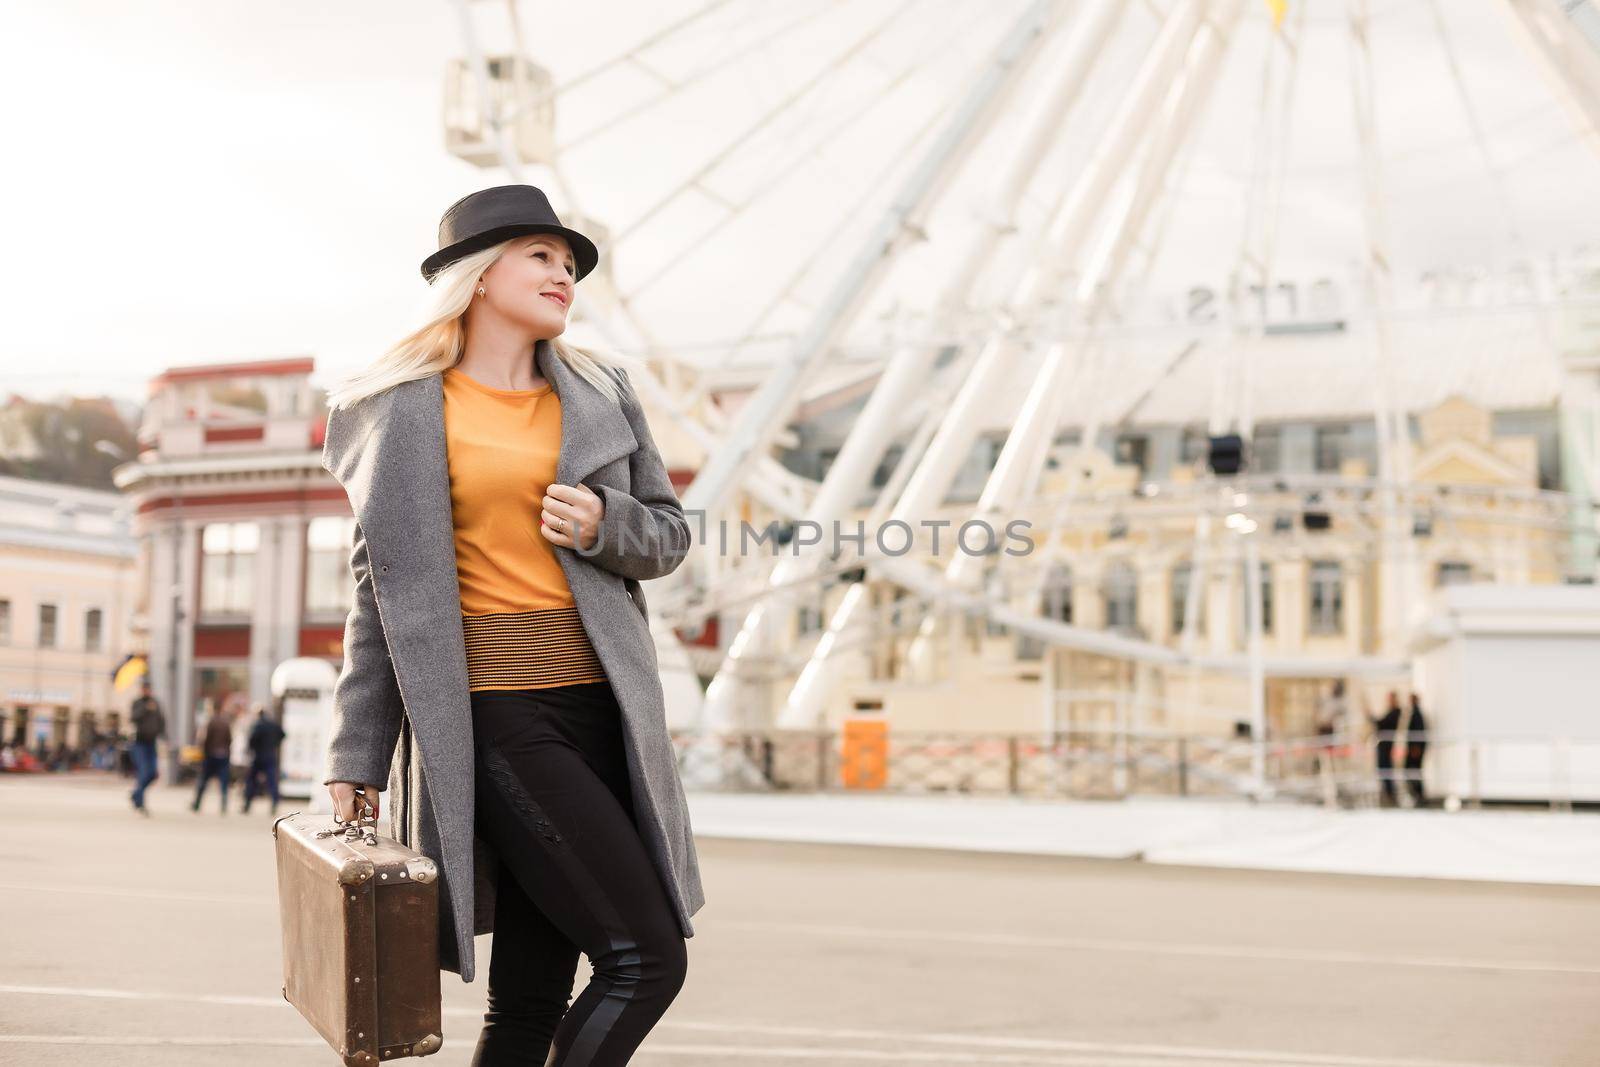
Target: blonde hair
<point>438,343</point>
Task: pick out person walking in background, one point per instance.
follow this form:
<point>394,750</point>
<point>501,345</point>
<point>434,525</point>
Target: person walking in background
<point>266,741</point>
<point>1416,746</point>
<point>149,726</point>
<point>1330,722</point>
<point>216,746</point>
<point>1387,725</point>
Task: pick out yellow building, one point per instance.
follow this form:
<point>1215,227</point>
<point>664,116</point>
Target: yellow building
<point>1135,537</point>
<point>68,583</point>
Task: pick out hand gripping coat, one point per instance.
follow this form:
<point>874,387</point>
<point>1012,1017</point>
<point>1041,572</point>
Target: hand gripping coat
<point>402,714</point>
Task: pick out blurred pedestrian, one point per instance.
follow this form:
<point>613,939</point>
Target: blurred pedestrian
<point>1330,721</point>
<point>149,726</point>
<point>266,741</point>
<point>1387,725</point>
<point>216,745</point>
<point>1416,746</point>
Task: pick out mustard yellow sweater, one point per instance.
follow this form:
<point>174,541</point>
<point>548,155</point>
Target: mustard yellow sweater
<point>522,627</point>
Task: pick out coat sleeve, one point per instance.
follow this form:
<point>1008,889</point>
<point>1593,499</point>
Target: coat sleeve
<point>366,698</point>
<point>643,533</point>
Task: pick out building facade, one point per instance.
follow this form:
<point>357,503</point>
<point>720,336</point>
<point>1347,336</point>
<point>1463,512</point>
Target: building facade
<point>68,587</point>
<point>243,539</point>
<point>1133,534</point>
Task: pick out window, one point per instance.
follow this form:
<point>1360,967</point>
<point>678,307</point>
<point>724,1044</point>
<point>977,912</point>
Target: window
<point>1132,448</point>
<point>1452,572</point>
<point>220,686</point>
<point>93,630</point>
<point>1055,601</point>
<point>1266,449</point>
<point>47,626</point>
<point>227,568</point>
<point>811,615</point>
<point>1327,597</point>
<point>1120,591</point>
<point>1332,446</point>
<point>1182,576</point>
<point>19,725</point>
<point>1195,444</point>
<point>329,586</point>
<point>5,622</point>
<point>1266,599</point>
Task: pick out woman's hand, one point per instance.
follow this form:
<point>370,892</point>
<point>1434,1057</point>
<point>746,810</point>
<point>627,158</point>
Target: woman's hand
<point>569,512</point>
<point>345,800</point>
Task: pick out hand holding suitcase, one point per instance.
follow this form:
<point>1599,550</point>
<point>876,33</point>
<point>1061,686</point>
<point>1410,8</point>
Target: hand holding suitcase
<point>360,937</point>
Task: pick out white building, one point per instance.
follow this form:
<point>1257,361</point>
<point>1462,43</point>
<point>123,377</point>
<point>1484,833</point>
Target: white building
<point>68,585</point>
<point>243,538</point>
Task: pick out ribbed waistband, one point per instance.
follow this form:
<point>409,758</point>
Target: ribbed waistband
<point>529,650</point>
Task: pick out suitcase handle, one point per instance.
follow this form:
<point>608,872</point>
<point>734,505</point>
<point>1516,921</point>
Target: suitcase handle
<point>364,827</point>
<point>356,830</point>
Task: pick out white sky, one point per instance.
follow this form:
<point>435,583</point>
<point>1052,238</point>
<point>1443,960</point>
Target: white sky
<point>197,182</point>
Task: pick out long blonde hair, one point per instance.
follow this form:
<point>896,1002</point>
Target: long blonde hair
<point>438,343</point>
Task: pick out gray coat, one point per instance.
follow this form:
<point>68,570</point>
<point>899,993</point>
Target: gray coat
<point>402,714</point>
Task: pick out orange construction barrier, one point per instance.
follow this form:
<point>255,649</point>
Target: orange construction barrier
<point>864,755</point>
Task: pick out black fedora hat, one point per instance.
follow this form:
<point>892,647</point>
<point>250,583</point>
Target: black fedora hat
<point>492,215</point>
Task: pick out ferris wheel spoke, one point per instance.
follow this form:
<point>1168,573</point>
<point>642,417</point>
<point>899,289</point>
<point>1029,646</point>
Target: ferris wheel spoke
<point>630,57</point>
<point>735,143</point>
<point>784,171</point>
<point>731,58</point>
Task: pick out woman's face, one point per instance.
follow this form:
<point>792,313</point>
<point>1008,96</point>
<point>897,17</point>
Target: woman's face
<point>531,283</point>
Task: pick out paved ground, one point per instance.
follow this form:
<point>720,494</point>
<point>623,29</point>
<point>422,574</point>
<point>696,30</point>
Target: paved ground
<point>1558,848</point>
<point>137,942</point>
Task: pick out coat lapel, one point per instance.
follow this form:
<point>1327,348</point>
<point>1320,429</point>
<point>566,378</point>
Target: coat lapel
<point>594,431</point>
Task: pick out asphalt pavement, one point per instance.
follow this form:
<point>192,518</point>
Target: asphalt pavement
<point>137,941</point>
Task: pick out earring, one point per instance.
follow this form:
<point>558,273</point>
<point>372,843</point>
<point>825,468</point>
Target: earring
<point>480,290</point>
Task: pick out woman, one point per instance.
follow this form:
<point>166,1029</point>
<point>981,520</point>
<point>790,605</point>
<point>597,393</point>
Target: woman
<point>499,671</point>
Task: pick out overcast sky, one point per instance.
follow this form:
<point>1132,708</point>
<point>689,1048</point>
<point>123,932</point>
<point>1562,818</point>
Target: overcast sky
<point>198,182</point>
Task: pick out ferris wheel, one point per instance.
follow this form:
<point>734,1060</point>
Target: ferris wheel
<point>1049,145</point>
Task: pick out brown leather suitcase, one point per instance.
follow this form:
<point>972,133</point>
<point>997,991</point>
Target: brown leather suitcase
<point>360,937</point>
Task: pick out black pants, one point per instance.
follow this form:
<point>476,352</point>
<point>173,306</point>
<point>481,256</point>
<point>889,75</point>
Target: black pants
<point>220,768</point>
<point>1385,754</point>
<point>263,778</point>
<point>554,799</point>
<point>1413,765</point>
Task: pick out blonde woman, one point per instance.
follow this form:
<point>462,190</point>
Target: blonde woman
<point>499,672</point>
